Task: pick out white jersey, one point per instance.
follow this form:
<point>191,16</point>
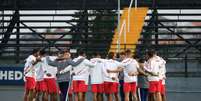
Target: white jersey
<point>29,70</point>
<point>130,65</point>
<point>82,70</point>
<point>153,66</point>
<point>40,71</point>
<point>162,72</point>
<point>111,65</point>
<point>50,69</point>
<point>96,72</point>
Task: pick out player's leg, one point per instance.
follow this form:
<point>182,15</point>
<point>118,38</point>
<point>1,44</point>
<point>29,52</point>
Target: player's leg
<point>76,90</point>
<point>150,97</point>
<point>110,97</point>
<point>94,89</point>
<point>126,90</point>
<point>134,96</point>
<point>70,97</point>
<point>116,96</point>
<point>30,86</point>
<point>126,96</point>
<point>37,95</point>
<point>115,92</point>
<point>70,92</point>
<point>108,90</point>
<point>45,96</point>
<point>158,90</point>
<point>84,96</point>
<point>155,98</point>
<point>100,97</point>
<point>133,91</point>
<point>76,96</point>
<point>163,95</point>
<point>52,88</point>
<point>95,96</point>
<point>26,93</point>
<point>158,96</point>
<point>31,95</point>
<point>83,88</point>
<point>80,96</point>
<point>100,92</point>
<point>44,90</point>
<point>153,86</point>
<point>53,97</point>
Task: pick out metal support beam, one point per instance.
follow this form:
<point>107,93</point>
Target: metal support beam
<point>9,30</point>
<point>186,48</point>
<point>18,37</point>
<point>181,38</point>
<point>156,25</point>
<point>86,30</point>
<point>43,38</point>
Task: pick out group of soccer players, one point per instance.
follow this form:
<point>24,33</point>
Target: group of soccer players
<point>48,76</point>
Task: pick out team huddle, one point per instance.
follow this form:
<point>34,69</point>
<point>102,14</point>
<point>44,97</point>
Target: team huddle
<point>136,79</point>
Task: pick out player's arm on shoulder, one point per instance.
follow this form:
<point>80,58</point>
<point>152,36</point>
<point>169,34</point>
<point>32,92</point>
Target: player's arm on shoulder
<point>73,63</point>
<point>141,71</point>
<point>67,69</point>
<point>88,63</point>
<point>51,63</point>
<point>119,69</point>
<point>100,60</point>
<point>133,73</point>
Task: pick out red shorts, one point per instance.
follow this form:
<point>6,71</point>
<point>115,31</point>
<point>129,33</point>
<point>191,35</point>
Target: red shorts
<point>79,86</point>
<point>97,88</point>
<point>51,85</point>
<point>162,90</point>
<point>154,86</point>
<point>30,83</point>
<point>111,87</point>
<point>130,87</point>
<point>41,86</point>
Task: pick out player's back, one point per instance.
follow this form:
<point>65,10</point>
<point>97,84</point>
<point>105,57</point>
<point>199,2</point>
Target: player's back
<point>96,72</point>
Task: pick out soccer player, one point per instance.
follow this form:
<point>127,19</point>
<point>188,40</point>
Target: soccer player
<point>61,62</point>
<point>29,76</point>
<point>162,77</point>
<point>111,80</point>
<point>97,78</point>
<point>130,76</point>
<point>130,69</point>
<point>152,66</point>
<point>81,76</point>
<point>41,87</point>
<point>50,78</point>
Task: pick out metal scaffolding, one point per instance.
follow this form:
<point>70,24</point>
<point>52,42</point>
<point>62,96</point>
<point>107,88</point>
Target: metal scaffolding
<point>93,31</point>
